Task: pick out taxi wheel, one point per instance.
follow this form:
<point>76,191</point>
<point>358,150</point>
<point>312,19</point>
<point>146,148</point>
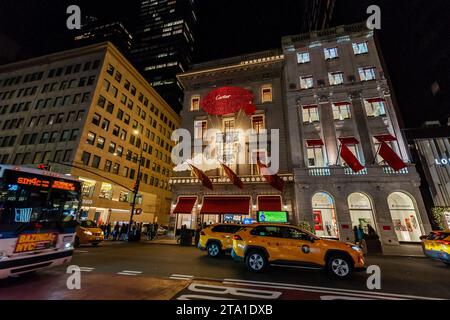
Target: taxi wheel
<point>77,242</point>
<point>340,266</point>
<point>213,249</point>
<point>256,261</point>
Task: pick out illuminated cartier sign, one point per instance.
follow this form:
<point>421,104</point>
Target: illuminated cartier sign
<point>442,162</point>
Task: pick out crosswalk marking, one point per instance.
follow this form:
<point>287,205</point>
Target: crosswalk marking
<point>129,273</point>
<point>86,269</point>
<point>181,277</point>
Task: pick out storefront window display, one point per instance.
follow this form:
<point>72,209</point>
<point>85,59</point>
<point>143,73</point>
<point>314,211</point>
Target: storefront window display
<point>106,191</point>
<point>125,196</point>
<point>88,188</point>
<point>324,216</point>
<point>361,211</point>
<point>184,220</point>
<point>404,217</point>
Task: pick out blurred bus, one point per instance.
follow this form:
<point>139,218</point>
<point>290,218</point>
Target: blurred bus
<point>38,212</point>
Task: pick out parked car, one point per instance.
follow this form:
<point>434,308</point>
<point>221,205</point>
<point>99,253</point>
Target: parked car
<point>261,245</point>
<point>217,238</point>
<point>88,233</point>
<point>437,246</point>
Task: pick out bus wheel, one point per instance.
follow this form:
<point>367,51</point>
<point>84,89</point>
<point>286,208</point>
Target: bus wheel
<point>77,242</point>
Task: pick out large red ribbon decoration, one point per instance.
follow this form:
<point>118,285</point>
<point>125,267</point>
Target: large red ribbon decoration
<point>391,157</point>
<point>206,182</point>
<point>273,179</point>
<point>227,100</point>
<point>233,176</point>
<point>350,159</point>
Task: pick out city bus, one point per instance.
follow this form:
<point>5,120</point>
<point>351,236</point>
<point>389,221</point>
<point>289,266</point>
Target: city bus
<point>38,211</point>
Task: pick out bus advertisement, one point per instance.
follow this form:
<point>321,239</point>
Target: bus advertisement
<point>38,211</point>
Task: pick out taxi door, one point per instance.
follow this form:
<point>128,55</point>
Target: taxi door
<point>298,248</point>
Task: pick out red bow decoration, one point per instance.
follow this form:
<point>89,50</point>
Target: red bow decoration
<point>206,182</point>
<point>273,179</point>
<point>227,100</point>
<point>350,159</point>
<point>233,177</point>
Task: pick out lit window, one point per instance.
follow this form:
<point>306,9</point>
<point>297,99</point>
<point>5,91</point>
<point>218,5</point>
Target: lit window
<point>306,82</point>
<point>266,94</point>
<point>200,128</point>
<point>375,108</point>
<point>336,78</point>
<point>315,157</point>
<point>195,103</point>
<point>367,74</point>
<point>310,114</point>
<point>341,111</point>
<point>360,48</point>
<point>303,57</point>
<point>258,123</point>
<point>330,53</point>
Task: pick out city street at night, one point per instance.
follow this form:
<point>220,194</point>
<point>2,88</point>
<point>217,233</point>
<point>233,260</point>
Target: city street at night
<point>146,271</point>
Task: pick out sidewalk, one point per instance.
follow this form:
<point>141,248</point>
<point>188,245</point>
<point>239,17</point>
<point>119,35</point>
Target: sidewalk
<point>403,250</point>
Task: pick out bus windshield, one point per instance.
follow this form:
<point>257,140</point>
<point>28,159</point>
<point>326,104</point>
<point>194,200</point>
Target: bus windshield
<point>23,204</point>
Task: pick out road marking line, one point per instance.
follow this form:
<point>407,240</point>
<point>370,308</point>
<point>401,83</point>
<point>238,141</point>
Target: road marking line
<point>127,274</point>
<point>131,271</point>
<point>181,276</point>
<point>82,251</point>
<point>287,286</point>
<point>86,269</point>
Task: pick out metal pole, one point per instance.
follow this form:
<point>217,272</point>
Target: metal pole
<point>136,190</point>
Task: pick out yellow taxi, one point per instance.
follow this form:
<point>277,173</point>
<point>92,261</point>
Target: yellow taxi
<point>88,232</point>
<point>437,246</point>
<point>217,238</point>
<point>260,245</point>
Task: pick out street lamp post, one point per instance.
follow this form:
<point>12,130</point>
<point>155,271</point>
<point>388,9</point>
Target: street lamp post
<point>136,190</point>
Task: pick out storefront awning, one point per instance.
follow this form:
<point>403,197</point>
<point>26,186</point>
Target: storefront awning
<point>349,141</point>
<point>225,205</point>
<point>185,205</point>
<point>269,203</point>
<point>314,143</point>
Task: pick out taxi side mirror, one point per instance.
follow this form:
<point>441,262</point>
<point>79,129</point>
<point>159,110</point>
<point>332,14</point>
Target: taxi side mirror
<point>423,237</point>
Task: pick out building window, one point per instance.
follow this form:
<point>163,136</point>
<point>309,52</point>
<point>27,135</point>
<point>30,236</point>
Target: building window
<point>106,191</point>
<point>375,108</point>
<point>74,134</point>
<point>44,138</point>
<point>360,48</point>
<point>85,157</point>
<point>200,128</point>
<point>106,85</point>
<point>341,111</point>
<point>100,142</point>
<point>101,101</point>
<point>266,94</point>
<point>112,147</point>
<point>68,155</point>
<point>367,74</point>
<point>331,53</point>
<point>315,157</point>
<point>303,57</point>
<point>258,123</point>
<point>110,69</point>
<point>336,78</point>
<point>310,114</point>
<point>195,103</point>
<point>324,216</point>
<point>108,165</point>
<point>64,136</point>
<point>96,119</point>
<point>306,82</point>
<point>110,108</point>
<point>96,162</point>
<point>105,124</point>
<point>90,138</point>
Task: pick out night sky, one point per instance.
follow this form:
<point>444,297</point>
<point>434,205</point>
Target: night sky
<point>36,27</point>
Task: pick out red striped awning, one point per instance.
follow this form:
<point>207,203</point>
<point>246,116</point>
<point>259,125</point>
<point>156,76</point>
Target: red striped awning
<point>185,205</point>
<point>269,203</point>
<point>226,205</point>
<point>385,138</point>
<point>314,143</point>
<point>374,100</point>
<point>310,106</point>
<point>342,103</point>
<point>349,141</point>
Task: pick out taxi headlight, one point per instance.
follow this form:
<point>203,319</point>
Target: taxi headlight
<point>88,232</point>
<point>356,248</point>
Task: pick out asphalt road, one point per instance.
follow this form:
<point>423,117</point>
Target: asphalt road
<point>152,271</point>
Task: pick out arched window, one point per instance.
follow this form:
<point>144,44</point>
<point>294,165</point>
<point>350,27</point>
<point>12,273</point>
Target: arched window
<point>404,217</point>
<point>361,211</point>
<point>324,215</point>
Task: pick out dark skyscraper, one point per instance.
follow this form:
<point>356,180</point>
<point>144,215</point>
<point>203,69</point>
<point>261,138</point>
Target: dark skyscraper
<point>318,14</point>
<point>164,45</point>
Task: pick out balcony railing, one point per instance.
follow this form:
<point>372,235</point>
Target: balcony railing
<point>389,170</point>
<point>350,172</point>
<point>226,180</point>
<point>315,172</point>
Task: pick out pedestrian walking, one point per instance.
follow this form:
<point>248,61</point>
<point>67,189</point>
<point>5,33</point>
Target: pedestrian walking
<point>107,231</point>
<point>116,231</point>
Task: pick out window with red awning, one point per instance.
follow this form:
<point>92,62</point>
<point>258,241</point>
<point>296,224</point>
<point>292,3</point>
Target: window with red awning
<point>348,141</point>
<point>185,205</point>
<point>226,205</point>
<point>375,100</point>
<point>269,203</point>
<point>385,138</point>
<point>314,143</point>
